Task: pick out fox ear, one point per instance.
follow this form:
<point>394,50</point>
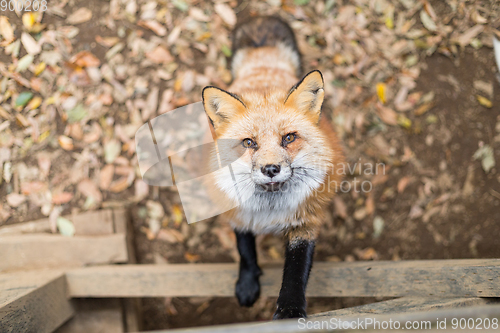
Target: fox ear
<point>220,105</point>
<point>307,95</point>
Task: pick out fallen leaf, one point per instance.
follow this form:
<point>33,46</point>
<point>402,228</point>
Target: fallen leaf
<point>484,101</point>
<point>402,183</point>
<point>171,236</point>
<point>381,91</point>
<point>30,44</point>
<point>65,142</point>
<point>485,154</point>
<point>88,188</point>
<point>156,27</point>
<point>427,21</point>
<point>467,36</point>
<point>15,199</point>
<point>80,16</point>
<point>120,185</point>
<point>6,31</point>
<point>65,227</point>
<point>387,115</point>
<point>106,176</point>
<point>226,13</point>
<point>378,226</point>
<point>112,150</point>
<point>23,98</point>
<point>85,59</point>
<point>24,63</point>
<point>28,188</point>
<point>159,55</point>
<point>61,198</point>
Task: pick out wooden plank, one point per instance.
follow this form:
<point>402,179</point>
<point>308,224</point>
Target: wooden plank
<point>443,278</point>
<point>293,325</point>
<point>405,305</point>
<point>33,301</point>
<point>98,222</point>
<point>43,250</point>
<point>95,315</point>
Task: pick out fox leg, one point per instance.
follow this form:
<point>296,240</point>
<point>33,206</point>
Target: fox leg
<point>247,286</point>
<point>298,262</point>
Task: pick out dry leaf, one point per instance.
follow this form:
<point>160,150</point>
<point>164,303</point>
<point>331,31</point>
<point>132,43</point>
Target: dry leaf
<point>28,188</point>
<point>106,176</point>
<point>80,16</point>
<point>160,55</point>
<point>156,27</point>
<point>88,188</point>
<point>14,199</point>
<point>226,13</point>
<point>6,31</point>
<point>85,59</point>
<point>387,115</point>
<point>30,44</point>
<point>61,198</point>
<point>484,101</point>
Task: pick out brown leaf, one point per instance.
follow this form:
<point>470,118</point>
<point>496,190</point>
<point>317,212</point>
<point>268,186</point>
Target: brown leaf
<point>106,176</point>
<point>156,27</point>
<point>85,59</point>
<point>403,183</point>
<point>61,198</point>
<point>387,115</point>
<point>6,31</point>
<point>28,188</point>
<point>88,188</point>
<point>15,199</point>
<point>226,13</point>
<point>340,207</point>
<point>65,142</point>
<point>30,44</point>
<point>119,185</point>
<point>172,236</point>
<point>159,55</point>
<point>80,16</point>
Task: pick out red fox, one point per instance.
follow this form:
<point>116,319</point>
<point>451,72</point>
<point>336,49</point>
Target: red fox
<point>290,155</point>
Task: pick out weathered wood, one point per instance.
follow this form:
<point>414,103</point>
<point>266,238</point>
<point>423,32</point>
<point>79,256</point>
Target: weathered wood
<point>95,315</point>
<point>33,301</point>
<point>443,278</point>
<point>405,305</point>
<point>293,325</point>
<point>43,250</point>
<point>98,222</point>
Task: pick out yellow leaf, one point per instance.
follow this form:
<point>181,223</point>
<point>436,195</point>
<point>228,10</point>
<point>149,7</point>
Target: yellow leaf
<point>50,100</point>
<point>389,22</point>
<point>381,88</point>
<point>34,103</point>
<point>40,68</point>
<point>404,122</point>
<point>484,101</point>
<point>28,20</point>
<point>177,214</point>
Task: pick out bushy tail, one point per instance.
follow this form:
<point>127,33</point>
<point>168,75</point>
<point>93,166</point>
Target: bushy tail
<point>264,31</point>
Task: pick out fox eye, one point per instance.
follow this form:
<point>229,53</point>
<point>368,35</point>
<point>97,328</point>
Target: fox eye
<point>289,138</point>
<point>248,143</point>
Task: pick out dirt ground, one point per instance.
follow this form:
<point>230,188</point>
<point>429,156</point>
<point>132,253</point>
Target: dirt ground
<point>434,200</point>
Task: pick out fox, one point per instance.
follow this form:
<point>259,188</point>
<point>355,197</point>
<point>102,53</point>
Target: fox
<point>288,156</point>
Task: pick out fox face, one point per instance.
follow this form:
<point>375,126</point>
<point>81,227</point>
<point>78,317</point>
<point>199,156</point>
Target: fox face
<point>283,154</point>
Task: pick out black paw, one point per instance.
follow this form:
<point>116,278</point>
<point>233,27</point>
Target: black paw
<point>248,289</point>
<point>289,312</point>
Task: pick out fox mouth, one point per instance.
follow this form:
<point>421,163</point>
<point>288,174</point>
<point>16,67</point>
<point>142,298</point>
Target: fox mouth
<point>272,186</point>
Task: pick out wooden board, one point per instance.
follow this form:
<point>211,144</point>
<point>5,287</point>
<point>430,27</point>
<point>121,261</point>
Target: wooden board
<point>44,250</point>
<point>95,315</point>
<point>406,305</point>
<point>33,301</point>
<point>293,325</point>
<point>98,222</point>
<point>443,278</point>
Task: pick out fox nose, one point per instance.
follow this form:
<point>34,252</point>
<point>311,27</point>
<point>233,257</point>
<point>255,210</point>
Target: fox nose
<point>271,170</point>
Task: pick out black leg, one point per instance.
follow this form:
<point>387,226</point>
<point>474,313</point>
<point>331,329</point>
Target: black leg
<point>247,286</point>
<point>298,261</point>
